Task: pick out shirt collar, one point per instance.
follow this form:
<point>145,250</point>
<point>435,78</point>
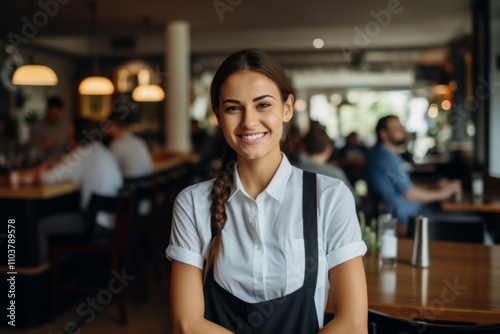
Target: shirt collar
<point>276,187</point>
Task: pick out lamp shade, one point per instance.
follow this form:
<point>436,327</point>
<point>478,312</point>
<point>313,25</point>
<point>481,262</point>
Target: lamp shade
<point>96,86</point>
<point>34,75</point>
<point>148,93</point>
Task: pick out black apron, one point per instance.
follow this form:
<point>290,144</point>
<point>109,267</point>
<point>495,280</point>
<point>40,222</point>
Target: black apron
<point>291,314</point>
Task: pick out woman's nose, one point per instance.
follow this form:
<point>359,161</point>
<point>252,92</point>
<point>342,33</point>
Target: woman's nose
<point>250,118</point>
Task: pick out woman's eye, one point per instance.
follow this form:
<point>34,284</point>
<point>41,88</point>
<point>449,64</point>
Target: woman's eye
<point>232,108</point>
<point>263,105</point>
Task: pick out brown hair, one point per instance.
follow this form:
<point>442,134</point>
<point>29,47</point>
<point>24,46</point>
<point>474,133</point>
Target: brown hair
<point>253,60</point>
<point>382,125</point>
<point>316,140</point>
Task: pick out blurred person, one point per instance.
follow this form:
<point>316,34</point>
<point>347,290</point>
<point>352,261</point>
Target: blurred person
<point>317,148</point>
<point>387,177</point>
<point>351,157</point>
<point>131,151</point>
<point>243,240</point>
<point>293,144</point>
<point>48,135</point>
<point>205,144</point>
<point>93,170</point>
<point>198,135</point>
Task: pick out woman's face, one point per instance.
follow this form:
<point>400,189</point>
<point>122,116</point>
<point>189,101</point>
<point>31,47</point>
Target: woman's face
<point>251,114</point>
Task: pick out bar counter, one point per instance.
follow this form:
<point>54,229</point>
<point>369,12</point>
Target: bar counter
<point>34,191</point>
<point>162,162</point>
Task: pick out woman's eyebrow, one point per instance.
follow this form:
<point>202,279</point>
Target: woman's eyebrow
<point>262,97</point>
<point>253,100</point>
<point>231,101</point>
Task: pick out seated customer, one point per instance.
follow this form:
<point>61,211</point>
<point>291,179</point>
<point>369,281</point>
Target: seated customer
<point>351,157</point>
<point>386,176</point>
<point>48,135</point>
<point>93,170</point>
<point>129,150</point>
<point>318,148</point>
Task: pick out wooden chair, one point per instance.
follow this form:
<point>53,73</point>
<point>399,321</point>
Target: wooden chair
<point>381,323</point>
<point>165,192</point>
<point>146,241</point>
<point>132,181</point>
<point>168,186</point>
<point>116,247</point>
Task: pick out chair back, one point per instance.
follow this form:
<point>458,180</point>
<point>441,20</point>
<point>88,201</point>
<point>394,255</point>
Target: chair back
<point>144,197</point>
<point>466,231</point>
<point>381,323</point>
<point>98,203</point>
<point>167,188</point>
<point>132,181</point>
<point>123,233</point>
<point>121,207</point>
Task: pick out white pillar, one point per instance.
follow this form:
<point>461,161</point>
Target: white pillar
<point>177,60</point>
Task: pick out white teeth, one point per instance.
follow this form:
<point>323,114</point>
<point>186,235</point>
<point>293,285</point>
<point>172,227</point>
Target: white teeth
<point>253,137</point>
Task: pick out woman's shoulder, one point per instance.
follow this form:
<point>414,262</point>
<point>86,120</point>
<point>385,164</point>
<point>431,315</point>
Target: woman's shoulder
<point>198,192</point>
<point>326,185</point>
<point>323,181</point>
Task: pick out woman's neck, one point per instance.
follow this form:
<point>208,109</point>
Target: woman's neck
<point>255,175</point>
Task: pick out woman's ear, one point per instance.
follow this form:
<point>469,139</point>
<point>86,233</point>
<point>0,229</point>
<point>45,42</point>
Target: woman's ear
<point>217,116</point>
<point>288,108</point>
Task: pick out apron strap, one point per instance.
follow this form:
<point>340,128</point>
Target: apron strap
<point>310,225</point>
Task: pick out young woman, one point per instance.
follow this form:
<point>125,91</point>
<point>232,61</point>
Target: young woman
<point>259,248</point>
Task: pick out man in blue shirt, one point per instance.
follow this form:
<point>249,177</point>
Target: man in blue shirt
<point>387,177</point>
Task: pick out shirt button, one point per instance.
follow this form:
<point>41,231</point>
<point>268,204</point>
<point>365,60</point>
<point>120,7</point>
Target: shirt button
<point>259,247</point>
<point>258,278</point>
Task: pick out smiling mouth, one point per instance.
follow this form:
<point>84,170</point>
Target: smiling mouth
<point>253,137</point>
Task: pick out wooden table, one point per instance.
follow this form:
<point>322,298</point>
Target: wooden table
<point>34,191</point>
<point>489,204</point>
<point>164,162</point>
<point>462,284</point>
<point>37,191</point>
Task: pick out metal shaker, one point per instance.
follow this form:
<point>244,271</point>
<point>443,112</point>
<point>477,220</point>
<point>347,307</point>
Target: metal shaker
<point>421,256</point>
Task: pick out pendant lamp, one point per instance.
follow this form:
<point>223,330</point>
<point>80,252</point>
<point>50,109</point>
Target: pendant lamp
<point>34,75</point>
<point>145,91</point>
<point>95,84</point>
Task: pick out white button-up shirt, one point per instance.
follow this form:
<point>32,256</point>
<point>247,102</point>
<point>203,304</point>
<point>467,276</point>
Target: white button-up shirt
<point>93,170</point>
<point>262,255</point>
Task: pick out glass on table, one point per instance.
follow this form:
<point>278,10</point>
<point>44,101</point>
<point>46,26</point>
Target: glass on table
<point>388,241</point>
<point>477,186</point>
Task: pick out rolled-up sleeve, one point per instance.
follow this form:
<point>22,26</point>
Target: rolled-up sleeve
<point>185,243</point>
<point>346,253</point>
<point>343,233</point>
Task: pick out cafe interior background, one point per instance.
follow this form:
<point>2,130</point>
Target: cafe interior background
<point>433,63</point>
<point>349,64</point>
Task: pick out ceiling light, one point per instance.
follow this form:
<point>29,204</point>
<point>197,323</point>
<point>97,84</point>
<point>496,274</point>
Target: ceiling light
<point>318,43</point>
<point>34,75</point>
<point>433,111</point>
<point>446,104</point>
<point>441,89</point>
<point>96,85</point>
<point>148,93</point>
<point>145,91</point>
